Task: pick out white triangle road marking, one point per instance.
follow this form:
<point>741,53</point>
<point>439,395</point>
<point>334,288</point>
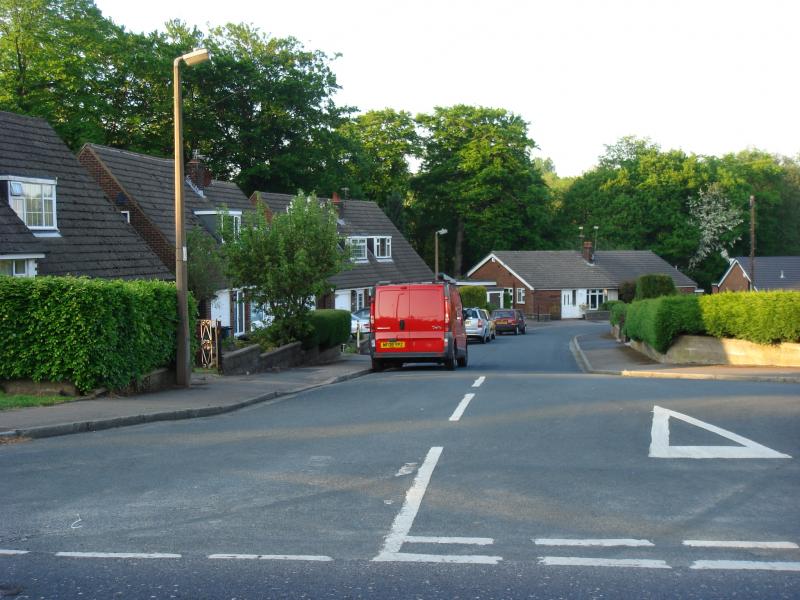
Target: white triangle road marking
<point>660,447</point>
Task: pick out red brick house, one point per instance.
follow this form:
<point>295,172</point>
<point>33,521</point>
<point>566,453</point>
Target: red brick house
<point>565,284</point>
<point>771,273</point>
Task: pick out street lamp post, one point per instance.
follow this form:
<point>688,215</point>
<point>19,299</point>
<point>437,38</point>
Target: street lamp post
<point>182,362</point>
<point>436,253</point>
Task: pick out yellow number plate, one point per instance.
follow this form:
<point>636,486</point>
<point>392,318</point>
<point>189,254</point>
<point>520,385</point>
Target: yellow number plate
<point>393,344</point>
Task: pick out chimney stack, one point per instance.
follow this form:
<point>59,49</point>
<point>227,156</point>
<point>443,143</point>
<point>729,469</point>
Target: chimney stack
<point>337,203</point>
<point>588,253</point>
<point>197,171</point>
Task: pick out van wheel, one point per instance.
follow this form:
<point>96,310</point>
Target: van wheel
<point>450,361</point>
<point>377,364</point>
<point>463,360</point>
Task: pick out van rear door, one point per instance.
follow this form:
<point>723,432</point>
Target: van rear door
<point>427,319</point>
<point>391,320</point>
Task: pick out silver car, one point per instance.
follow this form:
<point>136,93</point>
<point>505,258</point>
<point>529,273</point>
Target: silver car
<point>477,325</point>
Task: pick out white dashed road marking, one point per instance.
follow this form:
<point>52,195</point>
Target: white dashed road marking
<point>577,561</point>
<point>425,539</point>
<point>462,406</point>
<point>745,565</point>
<point>12,552</point>
<point>596,542</point>
<point>303,557</point>
<point>479,381</point>
<point>116,555</point>
<point>741,544</point>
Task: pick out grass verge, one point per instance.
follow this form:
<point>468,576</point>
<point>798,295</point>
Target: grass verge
<point>10,401</point>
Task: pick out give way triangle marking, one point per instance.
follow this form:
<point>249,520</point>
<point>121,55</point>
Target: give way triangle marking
<point>660,448</point>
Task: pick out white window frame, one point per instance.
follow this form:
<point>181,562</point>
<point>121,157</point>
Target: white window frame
<point>26,269</point>
<point>520,295</point>
<point>595,297</point>
<point>239,312</point>
<point>387,254</point>
<point>21,181</point>
<point>361,298</point>
<point>358,242</point>
<point>127,215</point>
<point>236,215</point>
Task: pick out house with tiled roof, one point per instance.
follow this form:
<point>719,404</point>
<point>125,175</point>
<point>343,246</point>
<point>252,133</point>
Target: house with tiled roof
<point>379,251</point>
<point>54,220</point>
<point>771,273</point>
<point>141,189</point>
<point>564,283</point>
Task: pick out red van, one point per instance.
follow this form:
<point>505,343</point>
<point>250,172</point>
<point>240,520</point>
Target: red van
<point>417,322</point>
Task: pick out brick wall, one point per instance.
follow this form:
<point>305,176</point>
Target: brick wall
<point>547,302</point>
<point>494,271</point>
<point>735,281</point>
<point>147,231</point>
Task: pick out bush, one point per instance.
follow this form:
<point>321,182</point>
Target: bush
<point>609,303</point>
<point>474,295</point>
<point>331,328</point>
<point>760,317</point>
<point>91,332</point>
<point>627,291</point>
<point>654,285</point>
<point>660,320</point>
<point>618,312</point>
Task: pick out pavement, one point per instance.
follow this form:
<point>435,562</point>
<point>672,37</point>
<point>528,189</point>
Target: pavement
<point>599,352</point>
<point>209,394</point>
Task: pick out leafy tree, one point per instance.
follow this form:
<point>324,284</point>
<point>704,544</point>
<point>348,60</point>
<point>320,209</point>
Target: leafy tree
<point>477,179</point>
<point>285,263</point>
<point>206,264</point>
<point>712,213</point>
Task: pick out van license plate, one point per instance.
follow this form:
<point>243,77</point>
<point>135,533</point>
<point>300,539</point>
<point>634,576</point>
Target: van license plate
<point>393,344</point>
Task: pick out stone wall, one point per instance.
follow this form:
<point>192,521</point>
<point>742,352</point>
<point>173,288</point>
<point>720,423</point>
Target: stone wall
<point>706,350</point>
<point>252,360</point>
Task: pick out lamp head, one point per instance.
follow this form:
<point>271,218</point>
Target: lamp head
<point>441,232</point>
<point>196,56</point>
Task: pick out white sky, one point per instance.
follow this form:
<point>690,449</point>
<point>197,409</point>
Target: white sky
<point>706,76</point>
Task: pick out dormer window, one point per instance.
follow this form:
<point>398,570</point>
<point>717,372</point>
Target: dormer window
<point>34,201</point>
<point>383,247</point>
<point>358,248</point>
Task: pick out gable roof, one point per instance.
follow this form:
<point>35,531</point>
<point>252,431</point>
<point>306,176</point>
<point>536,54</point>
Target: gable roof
<point>566,269</point>
<point>772,272</point>
<point>95,240</point>
<point>365,218</point>
<point>149,181</point>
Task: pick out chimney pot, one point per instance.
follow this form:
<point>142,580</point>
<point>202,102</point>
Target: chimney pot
<point>197,171</point>
<point>588,254</point>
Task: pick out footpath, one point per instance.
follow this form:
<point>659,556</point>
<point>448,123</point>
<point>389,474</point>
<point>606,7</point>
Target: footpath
<point>209,394</point>
<point>598,352</point>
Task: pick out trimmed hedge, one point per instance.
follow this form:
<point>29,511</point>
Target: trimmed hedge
<point>654,285</point>
<point>618,312</point>
<point>91,332</point>
<point>760,317</point>
<point>659,321</point>
<point>609,303</point>
<point>331,328</point>
<point>473,296</point>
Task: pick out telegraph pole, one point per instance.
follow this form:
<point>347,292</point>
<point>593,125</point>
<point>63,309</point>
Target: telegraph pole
<point>752,243</point>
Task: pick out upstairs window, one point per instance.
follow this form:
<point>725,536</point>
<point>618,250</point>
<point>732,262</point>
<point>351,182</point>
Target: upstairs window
<point>34,201</point>
<point>358,248</point>
<point>383,247</point>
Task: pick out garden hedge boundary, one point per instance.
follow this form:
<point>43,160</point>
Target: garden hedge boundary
<point>331,328</point>
<point>659,321</point>
<point>618,312</point>
<point>473,296</point>
<point>90,332</point>
<point>760,317</point>
<point>654,285</point>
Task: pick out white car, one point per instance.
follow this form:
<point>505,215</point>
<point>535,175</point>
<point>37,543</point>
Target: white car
<point>359,319</point>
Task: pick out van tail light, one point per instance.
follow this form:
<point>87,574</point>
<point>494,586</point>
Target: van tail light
<point>447,315</point>
<point>372,315</point>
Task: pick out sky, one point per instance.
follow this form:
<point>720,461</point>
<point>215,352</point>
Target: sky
<point>704,76</point>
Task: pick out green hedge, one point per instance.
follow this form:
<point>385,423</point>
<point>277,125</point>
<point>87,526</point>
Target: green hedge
<point>331,328</point>
<point>654,285</point>
<point>618,312</point>
<point>473,296</point>
<point>91,332</point>
<point>660,320</point>
<point>761,317</point>
<point>609,303</point>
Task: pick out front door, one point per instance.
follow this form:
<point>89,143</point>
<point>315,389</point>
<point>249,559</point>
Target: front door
<point>570,308</point>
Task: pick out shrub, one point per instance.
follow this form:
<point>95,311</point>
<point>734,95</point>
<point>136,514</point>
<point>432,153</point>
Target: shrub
<point>627,291</point>
<point>474,295</point>
<point>654,285</point>
<point>91,332</point>
<point>331,328</point>
<point>659,321</point>
<point>761,317</point>
<point>618,312</point>
<point>609,303</point>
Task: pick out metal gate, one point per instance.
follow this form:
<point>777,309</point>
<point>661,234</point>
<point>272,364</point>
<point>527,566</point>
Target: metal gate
<point>209,343</point>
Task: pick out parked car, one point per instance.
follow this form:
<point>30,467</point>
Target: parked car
<point>476,322</point>
<point>508,320</point>
<point>419,322</point>
<point>492,326</point>
<point>359,320</point>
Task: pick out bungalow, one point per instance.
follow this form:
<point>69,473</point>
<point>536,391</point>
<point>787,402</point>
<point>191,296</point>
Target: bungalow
<point>140,188</point>
<point>563,283</point>
<point>54,219</point>
<point>379,250</point>
<point>771,273</point>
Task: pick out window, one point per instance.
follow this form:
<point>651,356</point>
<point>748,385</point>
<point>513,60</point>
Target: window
<point>34,201</point>
<point>239,309</point>
<point>360,299</point>
<point>14,267</point>
<point>595,298</point>
<point>383,247</point>
<point>358,248</point>
<point>520,295</point>
<point>126,214</point>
